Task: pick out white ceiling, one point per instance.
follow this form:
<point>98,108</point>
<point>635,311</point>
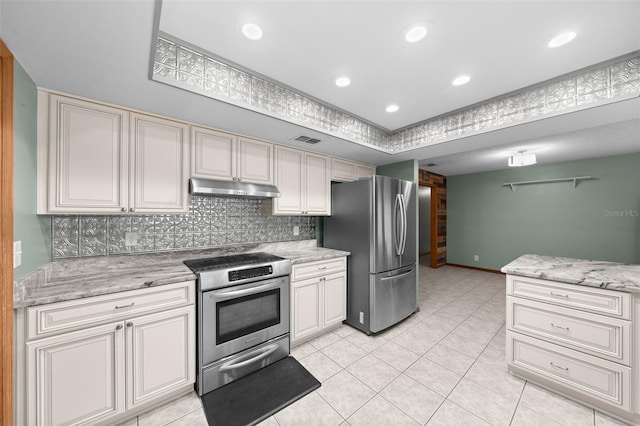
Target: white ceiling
<point>101,49</point>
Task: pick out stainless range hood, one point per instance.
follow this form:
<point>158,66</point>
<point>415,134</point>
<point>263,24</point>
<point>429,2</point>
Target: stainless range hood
<point>225,188</point>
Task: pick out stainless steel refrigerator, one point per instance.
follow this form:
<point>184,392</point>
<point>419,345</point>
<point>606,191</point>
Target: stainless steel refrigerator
<point>375,219</point>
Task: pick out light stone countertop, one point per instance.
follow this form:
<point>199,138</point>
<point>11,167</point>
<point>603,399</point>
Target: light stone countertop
<point>591,273</point>
<point>70,279</point>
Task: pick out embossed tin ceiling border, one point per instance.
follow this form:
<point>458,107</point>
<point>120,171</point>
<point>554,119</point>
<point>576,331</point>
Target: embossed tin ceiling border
<point>182,65</point>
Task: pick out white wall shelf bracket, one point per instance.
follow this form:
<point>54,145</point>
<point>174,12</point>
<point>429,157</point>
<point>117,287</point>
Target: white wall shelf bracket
<point>574,179</point>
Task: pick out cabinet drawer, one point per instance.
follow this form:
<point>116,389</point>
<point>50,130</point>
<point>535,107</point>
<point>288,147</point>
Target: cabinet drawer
<point>607,302</point>
<point>594,377</point>
<point>597,334</point>
<point>63,316</point>
<point>316,269</point>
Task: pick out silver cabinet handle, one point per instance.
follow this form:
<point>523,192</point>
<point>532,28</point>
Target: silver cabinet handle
<point>559,295</point>
<point>129,324</point>
<point>239,179</point>
<point>235,178</point>
<point>132,209</point>
<point>123,209</point>
<point>560,327</point>
<point>125,306</point>
<point>395,276</point>
<point>322,267</point>
<point>119,327</point>
<point>559,367</point>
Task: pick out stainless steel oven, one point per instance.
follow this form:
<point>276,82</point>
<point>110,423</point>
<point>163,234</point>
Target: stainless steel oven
<point>243,316</point>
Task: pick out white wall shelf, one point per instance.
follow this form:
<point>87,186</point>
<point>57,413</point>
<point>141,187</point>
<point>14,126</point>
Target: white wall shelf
<point>575,179</point>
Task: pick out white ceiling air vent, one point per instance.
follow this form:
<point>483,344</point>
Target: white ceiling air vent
<point>306,139</point>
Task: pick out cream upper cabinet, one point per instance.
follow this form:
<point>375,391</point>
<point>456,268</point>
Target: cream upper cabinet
<point>98,159</point>
<point>364,171</point>
<point>86,169</point>
<point>255,161</point>
<point>159,165</point>
<point>348,171</point>
<point>303,180</point>
<point>219,155</point>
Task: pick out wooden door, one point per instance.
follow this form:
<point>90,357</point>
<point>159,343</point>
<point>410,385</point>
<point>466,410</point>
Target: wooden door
<point>6,235</point>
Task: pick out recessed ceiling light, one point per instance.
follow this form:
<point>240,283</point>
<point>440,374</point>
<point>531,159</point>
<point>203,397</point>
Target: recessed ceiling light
<point>252,31</point>
<point>392,108</point>
<point>460,80</point>
<point>415,32</point>
<point>562,39</point>
<point>343,81</point>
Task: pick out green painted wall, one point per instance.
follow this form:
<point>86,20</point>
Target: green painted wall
<point>34,231</point>
<point>600,219</point>
<point>407,170</point>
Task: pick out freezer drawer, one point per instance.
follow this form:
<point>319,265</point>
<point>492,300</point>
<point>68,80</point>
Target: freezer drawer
<point>393,297</point>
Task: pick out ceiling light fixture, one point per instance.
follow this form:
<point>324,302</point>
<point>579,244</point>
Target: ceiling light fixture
<point>392,108</point>
<point>522,159</point>
<point>343,81</point>
<point>252,31</point>
<point>415,32</point>
<point>562,39</point>
<point>460,80</point>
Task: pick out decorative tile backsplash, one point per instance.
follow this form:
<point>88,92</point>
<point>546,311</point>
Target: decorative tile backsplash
<point>211,222</point>
<point>198,71</point>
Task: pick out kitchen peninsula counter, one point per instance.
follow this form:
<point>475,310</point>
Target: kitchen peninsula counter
<point>591,273</point>
<point>70,279</point>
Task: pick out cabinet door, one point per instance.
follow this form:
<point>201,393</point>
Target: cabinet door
<point>160,354</point>
<point>87,157</point>
<point>364,171</point>
<point>160,166</point>
<point>289,180</point>
<point>76,378</point>
<point>213,155</point>
<point>343,170</point>
<point>255,161</point>
<point>335,298</point>
<point>318,185</point>
<point>305,311</point>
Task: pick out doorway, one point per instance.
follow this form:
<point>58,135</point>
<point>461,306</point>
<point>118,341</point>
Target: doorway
<point>424,225</point>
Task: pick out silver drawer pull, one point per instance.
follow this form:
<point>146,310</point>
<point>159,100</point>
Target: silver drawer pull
<point>560,327</point>
<point>125,306</point>
<point>322,267</point>
<point>559,367</point>
<point>559,295</point>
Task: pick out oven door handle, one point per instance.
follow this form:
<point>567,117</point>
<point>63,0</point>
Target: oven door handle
<point>245,291</point>
<point>265,352</point>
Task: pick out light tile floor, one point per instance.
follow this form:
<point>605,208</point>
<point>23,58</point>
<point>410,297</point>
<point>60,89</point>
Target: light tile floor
<point>444,365</point>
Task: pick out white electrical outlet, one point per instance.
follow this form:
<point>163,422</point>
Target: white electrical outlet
<point>361,317</point>
<point>17,254</point>
<point>476,258</point>
<point>296,230</point>
<point>130,239</point>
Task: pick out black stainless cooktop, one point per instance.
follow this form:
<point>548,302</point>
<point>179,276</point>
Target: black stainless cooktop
<point>229,262</point>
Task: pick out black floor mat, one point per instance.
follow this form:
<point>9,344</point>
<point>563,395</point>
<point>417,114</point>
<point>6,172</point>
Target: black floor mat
<point>255,397</point>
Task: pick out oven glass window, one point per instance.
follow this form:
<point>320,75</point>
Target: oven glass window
<point>244,315</point>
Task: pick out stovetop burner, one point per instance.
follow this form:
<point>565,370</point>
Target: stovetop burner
<point>231,261</point>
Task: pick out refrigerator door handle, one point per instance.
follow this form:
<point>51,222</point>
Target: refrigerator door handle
<point>396,276</point>
<point>403,208</point>
<point>398,217</point>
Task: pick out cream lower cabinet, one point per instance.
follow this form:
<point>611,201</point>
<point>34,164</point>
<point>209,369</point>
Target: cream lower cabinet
<point>304,183</point>
<point>110,371</point>
<point>576,340</point>
<point>318,298</point>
